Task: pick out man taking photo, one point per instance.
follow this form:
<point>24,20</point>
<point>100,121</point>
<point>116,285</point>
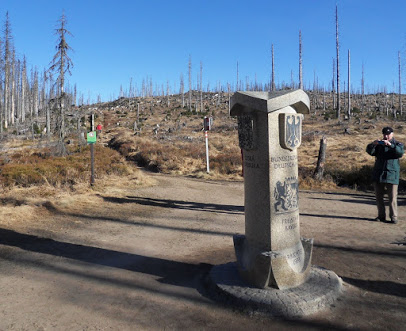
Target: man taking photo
<point>386,173</point>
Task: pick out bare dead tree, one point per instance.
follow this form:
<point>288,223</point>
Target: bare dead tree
<point>300,61</point>
<point>400,86</point>
<point>349,84</point>
<point>167,93</point>
<point>362,89</point>
<point>8,46</point>
<point>392,103</point>
<point>182,90</point>
<point>273,71</point>
<point>143,89</point>
<point>1,91</point>
<point>292,82</point>
<point>35,93</point>
<point>13,88</point>
<point>237,86</point>
<point>344,97</point>
<point>61,65</point>
<point>190,83</point>
<point>338,66</point>
<point>333,84</point>
<point>45,103</point>
<point>201,86</point>
<point>24,91</point>
<point>150,89</point>
<point>229,96</point>
<point>218,93</point>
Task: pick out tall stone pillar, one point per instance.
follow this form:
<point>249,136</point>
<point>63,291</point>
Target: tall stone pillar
<point>271,253</point>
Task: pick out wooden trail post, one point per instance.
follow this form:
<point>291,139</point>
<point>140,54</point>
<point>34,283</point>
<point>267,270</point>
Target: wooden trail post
<point>92,164</point>
<point>91,139</point>
<point>206,135</point>
<point>207,122</point>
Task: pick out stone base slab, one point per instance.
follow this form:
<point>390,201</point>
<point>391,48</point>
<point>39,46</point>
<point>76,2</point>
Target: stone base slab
<point>316,294</point>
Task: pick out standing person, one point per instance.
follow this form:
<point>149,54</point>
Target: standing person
<point>386,172</point>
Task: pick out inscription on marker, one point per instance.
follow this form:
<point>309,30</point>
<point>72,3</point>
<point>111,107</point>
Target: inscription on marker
<point>249,162</point>
<point>290,223</point>
<point>295,256</point>
<point>281,162</point>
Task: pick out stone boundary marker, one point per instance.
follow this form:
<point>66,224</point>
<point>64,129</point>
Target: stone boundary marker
<point>271,253</point>
<point>318,293</point>
<point>273,271</point>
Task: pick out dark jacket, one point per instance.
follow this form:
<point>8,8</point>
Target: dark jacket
<point>387,167</point>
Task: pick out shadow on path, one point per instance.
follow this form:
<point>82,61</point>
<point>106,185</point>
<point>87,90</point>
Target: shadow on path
<point>349,218</point>
<point>392,252</point>
<point>97,218</point>
<point>361,201</point>
<point>378,286</point>
<point>171,272</point>
<point>358,198</point>
<point>178,204</point>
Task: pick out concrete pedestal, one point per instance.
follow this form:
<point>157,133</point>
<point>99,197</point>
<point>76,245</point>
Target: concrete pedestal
<point>320,291</point>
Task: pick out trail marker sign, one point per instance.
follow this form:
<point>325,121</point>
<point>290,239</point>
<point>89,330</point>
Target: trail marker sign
<point>91,137</point>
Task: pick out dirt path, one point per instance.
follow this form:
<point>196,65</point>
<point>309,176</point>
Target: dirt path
<point>131,259</point>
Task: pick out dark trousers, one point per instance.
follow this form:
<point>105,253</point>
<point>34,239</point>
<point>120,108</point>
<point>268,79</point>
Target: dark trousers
<point>392,191</point>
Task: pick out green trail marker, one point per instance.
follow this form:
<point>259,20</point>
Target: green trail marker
<point>91,137</point>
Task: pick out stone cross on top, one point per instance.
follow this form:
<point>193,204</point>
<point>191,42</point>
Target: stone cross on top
<point>271,253</point>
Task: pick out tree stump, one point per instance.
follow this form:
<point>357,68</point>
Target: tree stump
<point>318,172</point>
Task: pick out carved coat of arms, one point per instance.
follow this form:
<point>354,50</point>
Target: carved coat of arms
<point>290,130</point>
<point>246,132</point>
<point>286,195</point>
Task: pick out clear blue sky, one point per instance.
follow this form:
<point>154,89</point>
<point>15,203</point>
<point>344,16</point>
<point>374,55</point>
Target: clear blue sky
<point>115,41</point>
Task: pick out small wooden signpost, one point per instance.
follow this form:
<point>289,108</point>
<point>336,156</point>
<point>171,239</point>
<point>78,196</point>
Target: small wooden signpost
<point>91,139</point>
<point>207,122</point>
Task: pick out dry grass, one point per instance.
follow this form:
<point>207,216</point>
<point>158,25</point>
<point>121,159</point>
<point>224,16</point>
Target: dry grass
<point>347,163</point>
<point>182,156</point>
<point>36,167</point>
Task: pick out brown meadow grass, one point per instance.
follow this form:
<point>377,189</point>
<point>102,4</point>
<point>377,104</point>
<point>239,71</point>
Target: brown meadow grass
<point>179,156</point>
<point>35,167</point>
<point>347,163</point>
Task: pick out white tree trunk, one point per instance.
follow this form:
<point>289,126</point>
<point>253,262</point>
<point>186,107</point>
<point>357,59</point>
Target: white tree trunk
<point>338,66</point>
<point>349,83</point>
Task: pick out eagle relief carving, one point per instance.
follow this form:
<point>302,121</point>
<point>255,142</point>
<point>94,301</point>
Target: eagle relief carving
<point>290,130</point>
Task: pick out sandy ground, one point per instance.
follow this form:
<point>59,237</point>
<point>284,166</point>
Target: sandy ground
<point>135,259</point>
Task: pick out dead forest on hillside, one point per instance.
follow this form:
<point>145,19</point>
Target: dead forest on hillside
<point>35,103</point>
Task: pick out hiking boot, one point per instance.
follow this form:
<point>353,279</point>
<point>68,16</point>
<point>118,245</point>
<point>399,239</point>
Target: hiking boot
<point>379,219</point>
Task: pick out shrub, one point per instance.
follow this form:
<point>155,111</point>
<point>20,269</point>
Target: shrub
<point>28,169</point>
<point>356,177</point>
<point>228,164</point>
